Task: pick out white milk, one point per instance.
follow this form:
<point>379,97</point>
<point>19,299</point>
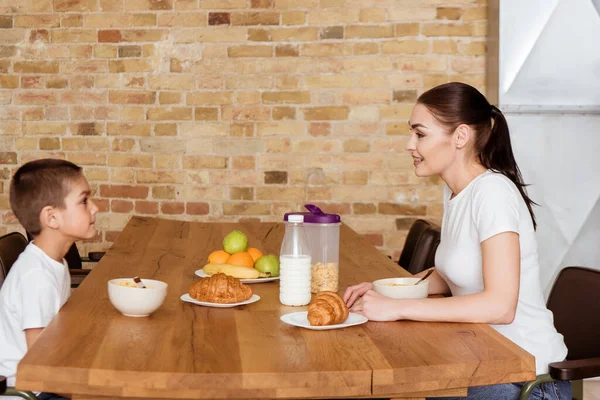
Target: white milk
<point>294,280</point>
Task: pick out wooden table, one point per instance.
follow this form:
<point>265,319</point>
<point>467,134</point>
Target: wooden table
<point>187,351</point>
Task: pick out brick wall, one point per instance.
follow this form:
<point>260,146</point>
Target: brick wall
<point>221,110</point>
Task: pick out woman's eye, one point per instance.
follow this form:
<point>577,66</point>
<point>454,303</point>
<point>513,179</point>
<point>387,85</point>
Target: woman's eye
<point>419,135</point>
<point>84,201</point>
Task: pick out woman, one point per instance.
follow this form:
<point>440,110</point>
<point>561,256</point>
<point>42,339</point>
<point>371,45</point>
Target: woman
<point>487,257</point>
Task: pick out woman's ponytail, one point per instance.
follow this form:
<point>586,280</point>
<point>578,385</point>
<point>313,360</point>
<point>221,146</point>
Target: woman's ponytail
<point>457,103</point>
<point>497,154</point>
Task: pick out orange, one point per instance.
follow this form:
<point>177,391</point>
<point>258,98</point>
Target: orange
<point>218,257</point>
<point>255,253</point>
<point>242,258</point>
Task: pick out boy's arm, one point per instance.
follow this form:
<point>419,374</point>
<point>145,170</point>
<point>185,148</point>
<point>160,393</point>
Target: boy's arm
<point>31,336</point>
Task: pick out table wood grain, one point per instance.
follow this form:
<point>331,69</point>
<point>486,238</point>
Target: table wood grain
<point>185,351</point>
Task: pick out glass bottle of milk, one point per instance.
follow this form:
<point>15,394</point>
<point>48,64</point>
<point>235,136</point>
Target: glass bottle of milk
<point>295,267</point>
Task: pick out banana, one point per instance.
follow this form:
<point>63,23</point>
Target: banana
<point>234,270</point>
<point>212,269</point>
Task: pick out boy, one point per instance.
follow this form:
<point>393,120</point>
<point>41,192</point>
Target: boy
<point>50,198</point>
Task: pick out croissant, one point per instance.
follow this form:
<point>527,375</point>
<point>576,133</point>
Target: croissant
<point>327,308</point>
<point>220,288</point>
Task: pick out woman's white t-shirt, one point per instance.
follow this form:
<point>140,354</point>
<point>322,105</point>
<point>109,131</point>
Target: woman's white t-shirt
<point>489,205</point>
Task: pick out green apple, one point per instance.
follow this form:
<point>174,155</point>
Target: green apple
<point>268,263</point>
<point>235,242</point>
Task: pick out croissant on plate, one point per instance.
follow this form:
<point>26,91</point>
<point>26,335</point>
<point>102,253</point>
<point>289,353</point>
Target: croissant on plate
<point>220,288</point>
<point>327,308</point>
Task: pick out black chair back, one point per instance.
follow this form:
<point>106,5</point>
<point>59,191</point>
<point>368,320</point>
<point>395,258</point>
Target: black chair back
<point>73,257</point>
<point>575,302</point>
<point>419,249</point>
<point>11,246</point>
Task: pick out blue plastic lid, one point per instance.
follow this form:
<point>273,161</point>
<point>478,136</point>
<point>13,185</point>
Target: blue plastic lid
<point>315,216</point>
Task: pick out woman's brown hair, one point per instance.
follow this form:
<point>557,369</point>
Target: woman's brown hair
<point>457,103</point>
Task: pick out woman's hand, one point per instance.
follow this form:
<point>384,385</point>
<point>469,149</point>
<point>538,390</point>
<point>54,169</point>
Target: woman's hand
<point>376,307</point>
<point>356,291</point>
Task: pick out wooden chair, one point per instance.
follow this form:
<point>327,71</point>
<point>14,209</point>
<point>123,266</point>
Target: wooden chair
<point>11,245</point>
<point>418,252</point>
<point>575,303</point>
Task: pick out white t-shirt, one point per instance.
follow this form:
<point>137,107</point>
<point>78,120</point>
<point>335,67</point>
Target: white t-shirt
<point>489,205</point>
<point>34,290</point>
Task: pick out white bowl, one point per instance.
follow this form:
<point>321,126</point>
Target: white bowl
<point>137,302</point>
<point>402,288</point>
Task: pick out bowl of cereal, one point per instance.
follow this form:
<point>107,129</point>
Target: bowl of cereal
<point>133,301</point>
<point>402,288</point>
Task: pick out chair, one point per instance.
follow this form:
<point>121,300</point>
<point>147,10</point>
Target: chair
<point>11,245</point>
<point>576,306</point>
<point>419,249</point>
<point>10,391</point>
<point>75,262</point>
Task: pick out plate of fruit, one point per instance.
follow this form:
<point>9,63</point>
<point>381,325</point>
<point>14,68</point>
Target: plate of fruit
<point>237,259</point>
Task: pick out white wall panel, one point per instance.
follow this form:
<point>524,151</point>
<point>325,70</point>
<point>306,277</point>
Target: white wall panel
<point>549,89</point>
<point>549,53</point>
<point>559,155</point>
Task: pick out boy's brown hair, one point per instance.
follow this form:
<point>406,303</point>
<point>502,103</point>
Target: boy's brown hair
<point>38,184</point>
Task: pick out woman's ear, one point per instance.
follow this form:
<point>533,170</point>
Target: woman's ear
<point>463,135</point>
<point>49,217</point>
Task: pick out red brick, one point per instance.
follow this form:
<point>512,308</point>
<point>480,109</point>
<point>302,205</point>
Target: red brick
<point>87,129</point>
<point>38,97</point>
<point>102,204</point>
<point>219,18</point>
<point>172,208</point>
<point>262,3</point>
<point>197,208</point>
<point>82,97</point>
<point>146,207</point>
<point>319,129</point>
<point>131,97</point>
<point>124,191</point>
<point>8,158</point>
<point>40,34</point>
<point>31,82</point>
<point>109,36</point>
<point>121,206</point>
<point>75,5</point>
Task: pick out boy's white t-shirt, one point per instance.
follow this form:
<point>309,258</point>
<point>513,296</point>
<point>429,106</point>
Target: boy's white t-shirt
<point>489,205</point>
<point>34,290</point>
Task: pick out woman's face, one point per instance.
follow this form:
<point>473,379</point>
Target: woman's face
<point>432,148</point>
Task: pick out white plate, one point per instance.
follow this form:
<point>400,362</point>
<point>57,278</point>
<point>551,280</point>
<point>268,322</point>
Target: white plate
<point>189,299</point>
<point>300,319</point>
<point>203,274</point>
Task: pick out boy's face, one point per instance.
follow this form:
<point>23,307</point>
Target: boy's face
<point>79,215</point>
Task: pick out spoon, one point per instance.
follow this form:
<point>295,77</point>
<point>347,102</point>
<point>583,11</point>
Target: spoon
<point>139,282</point>
<point>425,277</point>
